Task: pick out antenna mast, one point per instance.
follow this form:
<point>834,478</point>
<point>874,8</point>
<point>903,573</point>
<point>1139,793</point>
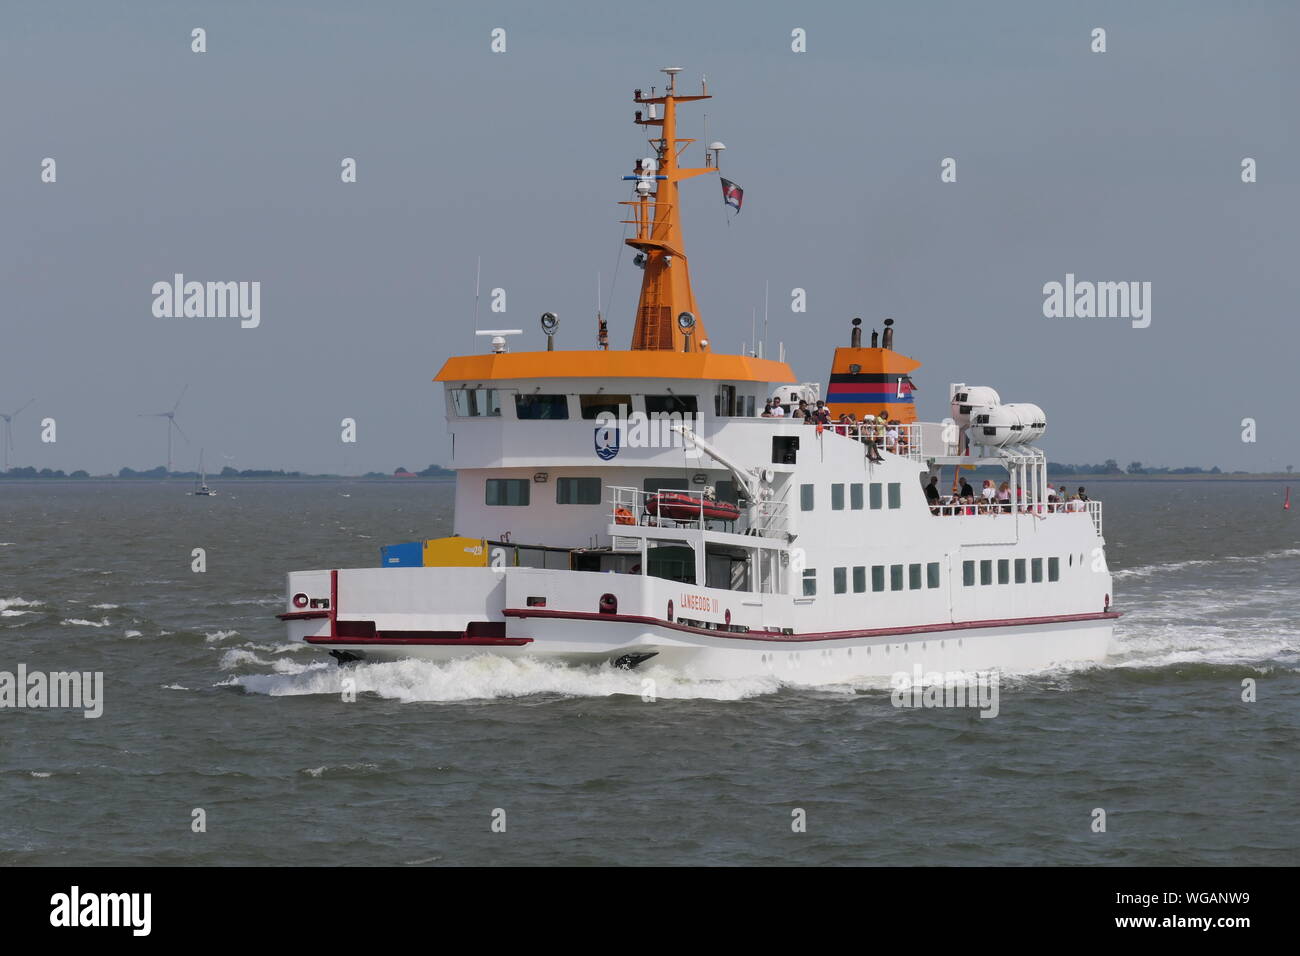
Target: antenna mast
<point>666,286</point>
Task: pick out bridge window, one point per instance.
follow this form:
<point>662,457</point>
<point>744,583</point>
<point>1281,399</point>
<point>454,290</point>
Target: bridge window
<point>986,572</point>
<point>855,496</point>
<point>1053,569</point>
<point>859,579</point>
<point>728,404</point>
<point>895,577</point>
<point>895,495</point>
<point>507,491</point>
<point>837,497</point>
<point>1037,568</point>
<point>932,574</point>
<point>671,404</point>
<point>875,496</point>
<point>533,407</point>
<point>809,582</point>
<point>577,491</point>
<point>592,406</point>
<point>914,577</point>
<point>1004,571</point>
<point>1020,570</point>
<point>967,573</point>
<point>877,577</point>
<point>841,580</point>
<point>476,402</point>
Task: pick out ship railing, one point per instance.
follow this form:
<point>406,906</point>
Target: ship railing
<point>949,506</point>
<point>631,507</point>
<point>906,440</point>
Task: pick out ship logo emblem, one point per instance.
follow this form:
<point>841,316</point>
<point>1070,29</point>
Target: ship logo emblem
<point>607,442</point>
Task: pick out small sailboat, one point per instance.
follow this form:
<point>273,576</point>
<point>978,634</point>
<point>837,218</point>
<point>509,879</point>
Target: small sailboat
<point>203,488</point>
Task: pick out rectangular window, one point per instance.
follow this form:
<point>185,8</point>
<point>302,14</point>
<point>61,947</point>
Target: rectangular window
<point>725,490</point>
<point>577,491</point>
<point>724,402</point>
<point>670,404</point>
<point>932,574</point>
<point>875,496</point>
<point>593,405</point>
<point>877,577</point>
<point>809,582</point>
<point>507,491</point>
<point>1053,569</point>
<point>855,497</point>
<point>895,495</point>
<point>837,497</point>
<point>914,577</point>
<point>1020,570</point>
<point>986,572</point>
<point>1036,567</point>
<point>895,577</point>
<point>1004,571</point>
<point>859,579</point>
<point>967,573</point>
<point>535,407</point>
<point>785,449</point>
<point>806,497</point>
<point>841,580</point>
<point>476,402</point>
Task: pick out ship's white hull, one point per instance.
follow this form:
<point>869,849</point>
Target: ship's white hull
<point>1010,648</point>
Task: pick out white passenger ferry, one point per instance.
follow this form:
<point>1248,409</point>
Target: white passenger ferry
<point>629,506</point>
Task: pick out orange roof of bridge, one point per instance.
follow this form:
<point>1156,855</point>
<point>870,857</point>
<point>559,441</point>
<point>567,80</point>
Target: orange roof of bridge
<point>640,363</point>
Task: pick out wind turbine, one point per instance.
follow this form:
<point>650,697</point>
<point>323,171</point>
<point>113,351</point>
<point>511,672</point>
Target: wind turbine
<point>9,432</point>
<point>171,423</point>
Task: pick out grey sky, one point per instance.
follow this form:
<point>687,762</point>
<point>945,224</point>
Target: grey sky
<point>225,166</point>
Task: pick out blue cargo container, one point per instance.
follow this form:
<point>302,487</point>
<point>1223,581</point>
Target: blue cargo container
<point>408,555</point>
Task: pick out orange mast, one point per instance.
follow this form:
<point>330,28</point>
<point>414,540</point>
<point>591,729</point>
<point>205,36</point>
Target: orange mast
<point>666,315</point>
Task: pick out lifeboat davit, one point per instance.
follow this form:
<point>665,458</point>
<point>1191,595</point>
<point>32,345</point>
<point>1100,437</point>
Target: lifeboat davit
<point>679,507</point>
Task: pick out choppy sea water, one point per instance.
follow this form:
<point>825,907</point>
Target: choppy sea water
<point>208,707</point>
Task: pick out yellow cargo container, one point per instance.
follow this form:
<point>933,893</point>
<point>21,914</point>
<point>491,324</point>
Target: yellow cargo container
<point>455,552</point>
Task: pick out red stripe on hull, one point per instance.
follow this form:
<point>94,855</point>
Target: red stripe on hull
<point>382,639</point>
<point>811,635</point>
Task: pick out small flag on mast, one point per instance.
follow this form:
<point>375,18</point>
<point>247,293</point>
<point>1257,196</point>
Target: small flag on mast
<point>732,194</point>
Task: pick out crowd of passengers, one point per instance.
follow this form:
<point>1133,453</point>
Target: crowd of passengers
<point>876,430</point>
<point>996,500</point>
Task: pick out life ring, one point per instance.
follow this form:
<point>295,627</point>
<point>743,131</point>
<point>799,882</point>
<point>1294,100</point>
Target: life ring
<point>623,516</point>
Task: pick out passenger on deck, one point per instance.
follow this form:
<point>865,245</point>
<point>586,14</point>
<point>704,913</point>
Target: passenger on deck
<point>988,492</point>
<point>1076,504</point>
<point>870,427</point>
<point>767,409</point>
<point>932,495</point>
<point>800,413</point>
<point>891,437</point>
<point>778,410</point>
<point>1004,496</point>
<point>966,490</point>
<point>1083,495</point>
